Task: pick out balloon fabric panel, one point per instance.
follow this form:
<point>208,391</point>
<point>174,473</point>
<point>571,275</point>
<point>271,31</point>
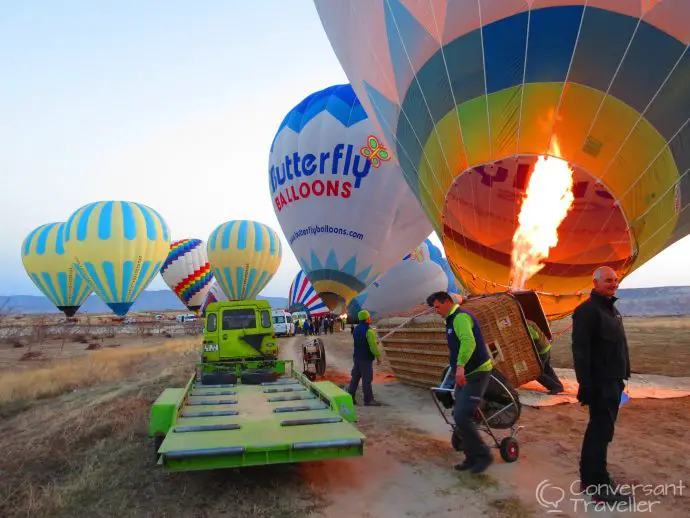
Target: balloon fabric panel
<point>470,92</point>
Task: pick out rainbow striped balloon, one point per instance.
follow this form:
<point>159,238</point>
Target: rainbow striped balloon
<point>244,257</point>
<point>52,270</point>
<point>118,247</point>
<point>467,95</point>
<point>188,273</point>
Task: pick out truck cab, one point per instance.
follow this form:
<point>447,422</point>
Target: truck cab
<point>237,330</point>
<point>283,323</point>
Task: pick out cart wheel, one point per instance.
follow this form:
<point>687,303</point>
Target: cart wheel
<point>321,365</point>
<point>456,442</point>
<point>510,449</point>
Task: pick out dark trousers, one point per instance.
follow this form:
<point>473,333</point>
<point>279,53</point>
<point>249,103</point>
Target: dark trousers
<point>467,399</point>
<point>362,370</point>
<point>603,411</point>
<point>549,379</point>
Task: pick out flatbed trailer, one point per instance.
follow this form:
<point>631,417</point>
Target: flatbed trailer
<point>288,419</point>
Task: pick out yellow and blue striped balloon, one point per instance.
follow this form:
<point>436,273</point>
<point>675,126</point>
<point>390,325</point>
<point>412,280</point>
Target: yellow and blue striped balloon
<point>119,247</point>
<point>244,256</point>
<point>52,270</point>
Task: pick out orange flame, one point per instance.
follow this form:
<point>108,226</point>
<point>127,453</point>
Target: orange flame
<point>547,201</point>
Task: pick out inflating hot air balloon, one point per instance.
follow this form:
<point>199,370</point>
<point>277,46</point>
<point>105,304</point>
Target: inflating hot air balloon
<point>303,297</point>
<point>215,294</point>
<point>472,95</point>
<point>118,247</point>
<point>52,270</point>
<point>339,197</point>
<point>244,256</point>
<point>188,273</point>
<point>420,273</point>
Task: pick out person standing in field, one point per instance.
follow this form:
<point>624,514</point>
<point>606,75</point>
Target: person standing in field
<point>602,364</point>
<point>366,350</point>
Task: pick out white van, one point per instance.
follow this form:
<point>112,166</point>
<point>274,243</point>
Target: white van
<point>282,323</point>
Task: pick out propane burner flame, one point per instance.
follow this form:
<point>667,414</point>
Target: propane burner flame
<point>546,203</point>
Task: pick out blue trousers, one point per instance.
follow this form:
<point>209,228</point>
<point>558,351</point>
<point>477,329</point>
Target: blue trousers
<point>467,399</point>
<point>362,370</point>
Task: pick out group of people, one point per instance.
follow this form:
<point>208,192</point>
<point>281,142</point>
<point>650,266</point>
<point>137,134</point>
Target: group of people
<point>600,357</point>
<point>319,325</point>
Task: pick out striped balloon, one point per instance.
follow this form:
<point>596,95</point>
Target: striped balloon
<point>215,294</point>
<point>244,257</point>
<point>303,297</point>
<point>187,272</point>
<point>469,93</point>
<point>119,247</point>
<point>52,270</point>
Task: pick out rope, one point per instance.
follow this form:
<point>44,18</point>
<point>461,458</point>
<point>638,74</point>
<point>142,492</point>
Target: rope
<point>405,323</point>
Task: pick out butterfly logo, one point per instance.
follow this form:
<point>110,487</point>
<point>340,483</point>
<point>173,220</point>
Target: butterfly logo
<point>375,151</point>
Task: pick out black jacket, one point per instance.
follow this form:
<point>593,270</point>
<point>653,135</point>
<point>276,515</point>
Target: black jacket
<point>600,348</point>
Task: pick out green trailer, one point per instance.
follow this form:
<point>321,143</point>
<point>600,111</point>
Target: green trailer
<point>243,409</point>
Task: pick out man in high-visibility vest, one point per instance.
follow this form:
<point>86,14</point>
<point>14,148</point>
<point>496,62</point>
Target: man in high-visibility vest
<point>548,379</point>
<point>471,365</point>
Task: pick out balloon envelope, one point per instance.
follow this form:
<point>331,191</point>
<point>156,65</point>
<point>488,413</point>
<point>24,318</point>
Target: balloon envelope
<point>118,247</point>
<point>303,297</point>
<point>52,270</point>
<point>468,93</point>
<point>187,272</point>
<point>339,195</point>
<point>408,284</point>
<point>244,256</point>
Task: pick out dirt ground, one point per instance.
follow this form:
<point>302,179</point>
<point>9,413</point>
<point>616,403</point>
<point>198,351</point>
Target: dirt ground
<point>73,431</point>
<point>410,438</point>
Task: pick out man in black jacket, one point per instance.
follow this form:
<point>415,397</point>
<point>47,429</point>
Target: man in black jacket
<point>600,355</point>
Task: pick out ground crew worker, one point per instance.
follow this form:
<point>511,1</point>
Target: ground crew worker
<point>366,350</point>
<point>548,379</point>
<point>602,363</point>
<point>471,365</point>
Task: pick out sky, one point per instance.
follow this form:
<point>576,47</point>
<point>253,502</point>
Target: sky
<point>172,104</point>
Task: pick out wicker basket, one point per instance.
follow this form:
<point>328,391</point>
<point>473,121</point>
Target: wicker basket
<point>418,351</point>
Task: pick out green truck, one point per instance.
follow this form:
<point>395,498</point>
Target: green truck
<point>243,406</point>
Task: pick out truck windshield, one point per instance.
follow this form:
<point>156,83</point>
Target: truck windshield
<point>238,319</point>
<point>278,320</point>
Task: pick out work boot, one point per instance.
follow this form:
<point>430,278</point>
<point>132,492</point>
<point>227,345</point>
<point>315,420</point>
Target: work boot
<point>373,402</point>
<point>481,464</point>
<point>464,465</point>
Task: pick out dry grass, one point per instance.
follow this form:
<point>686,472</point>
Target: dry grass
<point>658,345</point>
<point>97,367</point>
<point>86,452</point>
<point>510,508</point>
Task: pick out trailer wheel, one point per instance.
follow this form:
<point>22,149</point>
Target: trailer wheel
<point>257,377</point>
<point>321,365</point>
<point>510,449</point>
<point>157,442</point>
<point>456,442</point>
<point>219,378</point>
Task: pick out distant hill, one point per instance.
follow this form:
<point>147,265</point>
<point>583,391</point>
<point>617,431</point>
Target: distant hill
<point>157,300</point>
<point>662,301</point>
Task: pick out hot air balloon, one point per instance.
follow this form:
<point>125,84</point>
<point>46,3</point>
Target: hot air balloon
<point>215,294</point>
<point>339,197</point>
<point>419,274</point>
<point>470,95</point>
<point>187,272</point>
<point>244,256</point>
<point>52,270</point>
<point>303,297</point>
<point>118,247</point>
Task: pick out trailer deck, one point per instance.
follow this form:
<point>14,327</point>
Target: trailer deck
<point>219,426</point>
